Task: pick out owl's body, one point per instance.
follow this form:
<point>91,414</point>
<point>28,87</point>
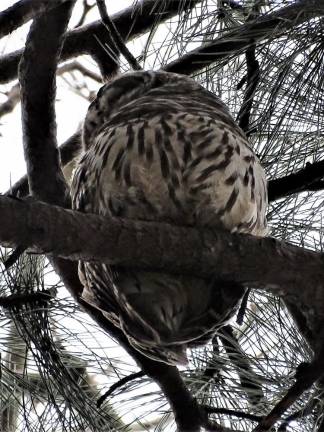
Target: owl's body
<point>159,147</point>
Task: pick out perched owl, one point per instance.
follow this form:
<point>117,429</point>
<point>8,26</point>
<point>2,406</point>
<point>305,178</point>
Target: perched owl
<point>159,147</point>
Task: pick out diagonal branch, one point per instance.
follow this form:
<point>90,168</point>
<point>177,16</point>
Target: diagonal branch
<point>241,37</point>
<point>253,77</point>
<point>131,23</point>
<point>116,37</point>
<point>21,12</point>
<point>308,178</point>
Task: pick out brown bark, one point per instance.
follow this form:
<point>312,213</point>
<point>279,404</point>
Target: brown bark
<point>257,262</point>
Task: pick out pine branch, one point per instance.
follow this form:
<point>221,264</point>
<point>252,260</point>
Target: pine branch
<point>131,23</point>
<point>246,259</point>
<point>235,41</point>
<point>308,178</point>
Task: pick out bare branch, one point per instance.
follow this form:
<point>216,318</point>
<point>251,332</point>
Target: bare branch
<point>232,413</point>
<point>131,22</point>
<point>21,12</point>
<point>86,9</point>
<point>119,384</point>
<point>241,37</point>
<point>308,178</point>
<point>76,66</point>
<point>37,79</point>
<point>14,94</point>
<point>116,37</point>
<point>253,76</point>
<point>250,260</point>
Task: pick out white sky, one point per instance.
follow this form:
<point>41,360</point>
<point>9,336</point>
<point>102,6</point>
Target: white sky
<point>70,108</point>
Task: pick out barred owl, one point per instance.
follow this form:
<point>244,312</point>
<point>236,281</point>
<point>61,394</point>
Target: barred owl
<point>159,147</point>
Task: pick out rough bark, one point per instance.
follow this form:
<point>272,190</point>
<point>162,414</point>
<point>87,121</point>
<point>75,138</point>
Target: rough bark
<point>255,261</point>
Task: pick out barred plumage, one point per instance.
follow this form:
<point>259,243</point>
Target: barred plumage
<point>159,147</point>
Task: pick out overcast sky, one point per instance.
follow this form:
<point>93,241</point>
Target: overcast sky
<point>70,108</point>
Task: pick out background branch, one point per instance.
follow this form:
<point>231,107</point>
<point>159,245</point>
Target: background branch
<point>21,12</point>
<point>241,37</point>
<point>131,22</point>
<point>308,178</point>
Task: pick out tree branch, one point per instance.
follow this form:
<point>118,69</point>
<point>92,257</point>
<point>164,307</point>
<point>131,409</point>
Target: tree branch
<point>246,259</point>
<point>45,177</point>
<point>131,23</point>
<point>46,182</point>
<point>116,37</point>
<point>308,178</point>
<point>241,37</point>
<point>253,76</point>
<point>21,12</point>
<point>117,385</point>
<point>14,93</point>
<point>68,150</point>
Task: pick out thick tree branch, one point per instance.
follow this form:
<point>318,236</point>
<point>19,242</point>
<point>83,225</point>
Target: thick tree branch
<point>240,38</point>
<point>45,177</point>
<point>131,22</point>
<point>255,261</point>
<point>46,182</point>
<point>308,178</point>
<point>21,12</point>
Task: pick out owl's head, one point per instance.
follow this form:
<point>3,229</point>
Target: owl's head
<point>126,89</point>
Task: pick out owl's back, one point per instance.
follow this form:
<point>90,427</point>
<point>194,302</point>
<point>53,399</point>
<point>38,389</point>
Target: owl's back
<point>159,147</point>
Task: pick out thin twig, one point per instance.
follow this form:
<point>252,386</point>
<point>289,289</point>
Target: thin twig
<point>115,36</point>
<point>306,378</point>
<point>232,413</point>
<point>86,9</point>
<point>253,77</point>
<point>118,384</point>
